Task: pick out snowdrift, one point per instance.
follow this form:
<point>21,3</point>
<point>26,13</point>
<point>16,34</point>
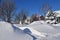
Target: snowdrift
<point>52,31</point>
<point>37,30</point>
<point>32,31</point>
<point>7,32</point>
<point>43,27</point>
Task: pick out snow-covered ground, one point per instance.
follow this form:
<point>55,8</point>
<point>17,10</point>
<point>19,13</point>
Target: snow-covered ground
<point>52,31</point>
<point>7,32</point>
<point>38,30</point>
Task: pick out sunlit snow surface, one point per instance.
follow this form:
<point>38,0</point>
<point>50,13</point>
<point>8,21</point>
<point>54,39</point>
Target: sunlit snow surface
<point>38,30</point>
<point>7,32</point>
<point>52,31</point>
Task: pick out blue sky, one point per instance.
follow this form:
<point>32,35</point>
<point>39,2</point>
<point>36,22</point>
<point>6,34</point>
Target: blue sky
<point>33,5</point>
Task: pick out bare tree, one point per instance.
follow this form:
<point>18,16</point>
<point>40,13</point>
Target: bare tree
<point>24,15</point>
<point>21,16</point>
<point>45,7</point>
<point>6,10</point>
<point>17,18</point>
<point>34,17</point>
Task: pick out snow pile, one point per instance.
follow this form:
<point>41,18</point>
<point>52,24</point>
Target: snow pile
<point>38,30</point>
<point>7,32</point>
<point>20,25</point>
<point>35,22</point>
<point>51,31</point>
<point>54,37</point>
<point>32,31</point>
<point>45,28</point>
<point>56,25</point>
<point>36,35</point>
<point>51,22</point>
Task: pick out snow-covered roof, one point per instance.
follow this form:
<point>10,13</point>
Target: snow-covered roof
<point>49,17</point>
<point>57,13</point>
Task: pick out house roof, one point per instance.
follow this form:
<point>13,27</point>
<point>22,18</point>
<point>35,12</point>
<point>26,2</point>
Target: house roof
<point>49,17</point>
<point>57,13</point>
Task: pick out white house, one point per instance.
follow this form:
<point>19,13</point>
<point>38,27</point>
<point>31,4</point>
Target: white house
<point>49,15</point>
<point>27,21</point>
<point>53,16</point>
<point>57,13</point>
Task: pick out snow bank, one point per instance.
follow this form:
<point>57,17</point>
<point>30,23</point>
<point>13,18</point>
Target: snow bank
<point>54,37</point>
<point>35,22</point>
<point>32,31</point>
<point>45,28</point>
<point>57,25</point>
<point>37,30</point>
<point>7,33</point>
<point>51,31</point>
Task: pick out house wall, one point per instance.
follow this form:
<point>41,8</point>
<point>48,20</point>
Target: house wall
<point>58,19</point>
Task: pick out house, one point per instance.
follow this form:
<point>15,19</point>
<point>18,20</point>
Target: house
<point>53,16</point>
<point>27,21</point>
<point>34,17</point>
<point>49,15</point>
<point>57,13</point>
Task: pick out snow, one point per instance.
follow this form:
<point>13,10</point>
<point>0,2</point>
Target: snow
<point>33,31</point>
<point>57,13</point>
<point>54,37</point>
<point>56,25</point>
<point>42,27</point>
<point>51,17</point>
<point>52,30</point>
<point>48,21</point>
<point>37,30</point>
<point>7,32</point>
<point>51,22</point>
